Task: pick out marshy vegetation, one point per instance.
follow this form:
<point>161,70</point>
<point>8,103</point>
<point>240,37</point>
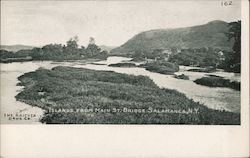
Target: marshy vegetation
<point>77,88</point>
<point>161,66</point>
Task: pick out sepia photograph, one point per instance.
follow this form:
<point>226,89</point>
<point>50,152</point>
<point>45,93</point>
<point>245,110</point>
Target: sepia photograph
<point>124,78</point>
<point>121,62</point>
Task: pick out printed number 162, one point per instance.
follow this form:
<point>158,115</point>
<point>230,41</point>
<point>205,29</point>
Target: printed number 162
<point>226,3</point>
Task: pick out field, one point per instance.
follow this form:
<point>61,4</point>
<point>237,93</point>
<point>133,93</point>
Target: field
<point>83,96</point>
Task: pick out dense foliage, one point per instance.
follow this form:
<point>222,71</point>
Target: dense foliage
<point>68,52</point>
<point>58,52</point>
<point>161,66</point>
<point>233,60</point>
<point>22,55</point>
<point>202,57</point>
<point>64,88</point>
<point>217,81</point>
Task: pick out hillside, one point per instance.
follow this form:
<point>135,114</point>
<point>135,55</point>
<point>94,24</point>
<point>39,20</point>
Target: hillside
<point>211,34</point>
<point>106,48</point>
<point>15,48</point>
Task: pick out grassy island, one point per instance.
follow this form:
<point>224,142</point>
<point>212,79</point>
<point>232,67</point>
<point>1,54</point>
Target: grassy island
<point>123,65</point>
<point>161,66</point>
<point>217,81</point>
<point>83,96</point>
<point>206,70</point>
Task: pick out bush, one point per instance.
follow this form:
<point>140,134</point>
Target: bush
<point>182,76</point>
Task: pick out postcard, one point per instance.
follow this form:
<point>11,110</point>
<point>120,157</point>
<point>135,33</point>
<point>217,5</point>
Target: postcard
<point>121,63</point>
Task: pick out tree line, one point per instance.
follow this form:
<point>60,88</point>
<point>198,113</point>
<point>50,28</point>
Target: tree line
<point>70,51</point>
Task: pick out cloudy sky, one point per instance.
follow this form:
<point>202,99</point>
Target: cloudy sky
<point>111,23</point>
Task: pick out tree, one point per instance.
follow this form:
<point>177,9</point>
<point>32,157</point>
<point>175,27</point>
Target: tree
<point>37,54</point>
<point>71,50</point>
<point>233,62</point>
<point>72,43</point>
<point>91,40</point>
<point>92,48</point>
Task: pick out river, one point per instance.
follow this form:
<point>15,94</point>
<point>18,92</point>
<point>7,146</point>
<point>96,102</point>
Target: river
<point>216,98</point>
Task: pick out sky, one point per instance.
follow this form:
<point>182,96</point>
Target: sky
<point>111,23</point>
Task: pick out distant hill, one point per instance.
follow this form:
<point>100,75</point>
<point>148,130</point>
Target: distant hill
<point>15,48</point>
<point>107,48</point>
<point>211,34</point>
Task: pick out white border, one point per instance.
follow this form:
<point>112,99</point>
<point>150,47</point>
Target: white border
<point>136,141</point>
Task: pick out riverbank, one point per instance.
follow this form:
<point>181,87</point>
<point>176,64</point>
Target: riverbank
<point>77,95</point>
<point>13,111</point>
<point>28,59</point>
<point>214,98</point>
<point>11,60</point>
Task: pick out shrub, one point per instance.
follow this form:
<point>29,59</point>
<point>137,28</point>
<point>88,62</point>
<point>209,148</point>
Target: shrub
<point>182,76</point>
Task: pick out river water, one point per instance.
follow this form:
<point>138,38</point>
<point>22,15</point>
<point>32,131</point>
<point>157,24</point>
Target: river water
<point>16,112</point>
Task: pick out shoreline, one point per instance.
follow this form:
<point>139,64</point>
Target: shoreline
<point>102,65</point>
<point>17,112</point>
